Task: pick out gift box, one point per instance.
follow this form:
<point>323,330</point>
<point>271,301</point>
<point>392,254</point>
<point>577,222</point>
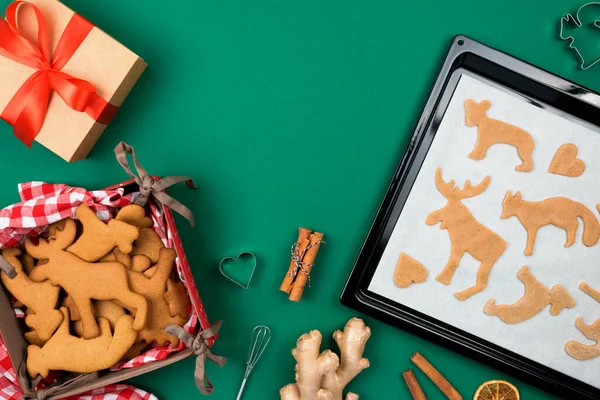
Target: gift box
<point>43,204</point>
<point>62,79</point>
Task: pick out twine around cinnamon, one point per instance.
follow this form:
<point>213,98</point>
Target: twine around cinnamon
<point>303,255</point>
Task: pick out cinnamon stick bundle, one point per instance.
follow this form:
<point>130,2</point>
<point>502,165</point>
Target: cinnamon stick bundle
<point>307,263</point>
<point>435,376</point>
<point>413,385</point>
<point>302,244</point>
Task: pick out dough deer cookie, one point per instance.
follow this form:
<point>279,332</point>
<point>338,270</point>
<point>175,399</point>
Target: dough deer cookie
<point>409,270</point>
<point>69,353</point>
<point>535,299</point>
<point>40,298</point>
<point>565,162</point>
<point>582,351</point>
<point>134,215</point>
<point>148,244</point>
<point>177,299</point>
<point>492,131</point>
<point>558,211</point>
<point>98,238</point>
<point>466,233</point>
<point>85,281</point>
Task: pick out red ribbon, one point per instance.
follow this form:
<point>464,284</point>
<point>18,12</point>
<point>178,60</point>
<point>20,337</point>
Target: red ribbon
<point>27,109</point>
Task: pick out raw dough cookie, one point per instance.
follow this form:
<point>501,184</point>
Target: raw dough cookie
<point>69,353</point>
<point>565,162</point>
<point>582,351</point>
<point>491,131</point>
<point>98,238</point>
<point>466,233</point>
<point>134,215</point>
<point>409,270</point>
<point>587,289</point>
<point>84,281</point>
<point>40,298</point>
<point>558,211</point>
<point>148,244</point>
<point>535,299</point>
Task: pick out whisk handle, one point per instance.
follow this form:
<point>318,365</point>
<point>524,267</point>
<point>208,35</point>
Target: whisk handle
<point>239,396</point>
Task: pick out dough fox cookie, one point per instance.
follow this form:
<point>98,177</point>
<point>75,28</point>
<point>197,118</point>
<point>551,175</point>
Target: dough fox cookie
<point>409,270</point>
<point>83,280</point>
<point>566,163</point>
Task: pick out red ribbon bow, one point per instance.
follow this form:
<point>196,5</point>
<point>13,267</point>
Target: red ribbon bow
<point>27,109</point>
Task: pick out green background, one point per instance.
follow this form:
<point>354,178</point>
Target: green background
<point>288,113</point>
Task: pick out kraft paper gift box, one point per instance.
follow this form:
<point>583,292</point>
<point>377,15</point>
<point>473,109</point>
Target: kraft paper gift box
<point>99,60</point>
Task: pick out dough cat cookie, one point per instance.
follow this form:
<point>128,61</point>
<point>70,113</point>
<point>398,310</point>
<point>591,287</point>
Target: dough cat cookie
<point>467,235</point>
<point>40,298</point>
<point>535,299</point>
<point>85,281</point>
<point>566,163</point>
<point>69,353</point>
<point>409,270</point>
<point>492,131</point>
<point>558,211</point>
<point>134,215</point>
<point>98,238</point>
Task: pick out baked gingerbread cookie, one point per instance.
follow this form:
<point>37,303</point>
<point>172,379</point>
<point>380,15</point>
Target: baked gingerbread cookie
<point>536,298</point>
<point>566,163</point>
<point>558,211</point>
<point>148,244</point>
<point>98,238</point>
<point>177,299</point>
<point>70,353</point>
<point>408,271</point>
<point>85,281</point>
<point>103,309</point>
<point>40,298</point>
<point>135,215</point>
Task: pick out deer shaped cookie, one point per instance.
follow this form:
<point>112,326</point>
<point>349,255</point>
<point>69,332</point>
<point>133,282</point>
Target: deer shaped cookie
<point>39,297</point>
<point>83,280</point>
<point>70,353</point>
<point>491,131</point>
<point>582,351</point>
<point>558,211</point>
<point>536,298</point>
<point>98,238</point>
<point>467,235</point>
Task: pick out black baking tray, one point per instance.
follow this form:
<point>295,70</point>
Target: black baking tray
<point>538,87</point>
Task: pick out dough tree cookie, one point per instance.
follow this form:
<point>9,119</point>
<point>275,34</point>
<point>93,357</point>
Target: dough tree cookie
<point>40,298</point>
<point>558,211</point>
<point>409,270</point>
<point>565,162</point>
<point>148,244</point>
<point>134,215</point>
<point>324,375</point>
<point>582,351</point>
<point>177,299</point>
<point>98,238</point>
<point>492,131</point>
<point>85,281</point>
<point>466,234</point>
<point>69,353</point>
<point>535,299</point>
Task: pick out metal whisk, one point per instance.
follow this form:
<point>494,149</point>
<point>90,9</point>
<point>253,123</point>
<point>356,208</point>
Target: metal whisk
<point>261,335</point>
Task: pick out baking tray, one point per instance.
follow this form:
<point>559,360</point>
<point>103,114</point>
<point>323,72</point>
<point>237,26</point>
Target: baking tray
<point>471,67</point>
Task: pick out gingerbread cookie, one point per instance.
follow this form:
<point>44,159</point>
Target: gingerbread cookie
<point>492,131</point>
<point>28,263</point>
<point>582,351</point>
<point>73,310</point>
<point>135,350</point>
<point>98,238</point>
<point>558,211</point>
<point>134,215</point>
<point>177,299</point>
<point>466,233</point>
<point>148,244</point>
<point>409,270</point>
<point>39,297</point>
<point>83,280</point>
<point>105,309</point>
<point>140,263</point>
<point>565,162</point>
<point>535,299</point>
<point>587,289</point>
<point>69,353</point>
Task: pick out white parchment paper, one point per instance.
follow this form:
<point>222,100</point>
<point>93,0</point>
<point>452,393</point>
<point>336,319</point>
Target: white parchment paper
<point>543,337</point>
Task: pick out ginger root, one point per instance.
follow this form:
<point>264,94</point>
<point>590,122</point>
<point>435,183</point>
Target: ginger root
<point>321,376</point>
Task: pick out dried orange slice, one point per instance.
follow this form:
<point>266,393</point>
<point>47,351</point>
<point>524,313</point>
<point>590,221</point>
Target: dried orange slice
<point>496,390</point>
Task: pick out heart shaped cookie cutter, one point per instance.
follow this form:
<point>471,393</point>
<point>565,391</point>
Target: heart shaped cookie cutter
<point>243,254</point>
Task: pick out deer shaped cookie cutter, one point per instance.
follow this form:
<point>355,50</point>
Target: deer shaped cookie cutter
<point>83,280</point>
<point>467,235</point>
<point>589,21</point>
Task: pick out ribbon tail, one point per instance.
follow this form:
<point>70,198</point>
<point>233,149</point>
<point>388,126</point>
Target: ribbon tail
<point>7,268</point>
<point>175,206</point>
<point>204,385</point>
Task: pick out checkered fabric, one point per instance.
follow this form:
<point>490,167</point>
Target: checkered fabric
<point>44,203</point>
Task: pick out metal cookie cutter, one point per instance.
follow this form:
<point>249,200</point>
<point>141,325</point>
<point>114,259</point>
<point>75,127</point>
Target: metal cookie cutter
<point>590,19</point>
<point>243,255</point>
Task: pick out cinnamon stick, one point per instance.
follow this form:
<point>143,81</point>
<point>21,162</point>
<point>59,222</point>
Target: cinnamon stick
<point>413,385</point>
<point>307,262</point>
<point>435,376</point>
<point>303,240</point>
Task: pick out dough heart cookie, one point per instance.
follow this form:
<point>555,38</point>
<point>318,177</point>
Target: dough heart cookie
<point>565,162</point>
<point>409,270</point>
